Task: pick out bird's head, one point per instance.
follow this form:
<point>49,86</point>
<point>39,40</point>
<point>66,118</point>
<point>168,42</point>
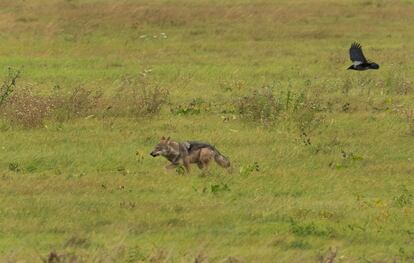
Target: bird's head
<point>374,66</point>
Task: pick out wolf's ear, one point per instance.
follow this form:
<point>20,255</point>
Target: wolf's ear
<point>162,138</point>
<point>168,138</point>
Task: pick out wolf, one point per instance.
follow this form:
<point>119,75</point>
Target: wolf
<point>188,152</point>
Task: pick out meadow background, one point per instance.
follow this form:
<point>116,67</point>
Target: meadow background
<point>322,157</point>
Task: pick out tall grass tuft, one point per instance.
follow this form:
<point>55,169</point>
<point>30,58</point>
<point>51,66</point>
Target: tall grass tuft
<point>265,107</point>
<point>260,106</point>
<point>80,103</point>
<point>138,97</point>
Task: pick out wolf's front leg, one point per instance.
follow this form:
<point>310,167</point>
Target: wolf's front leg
<point>171,166</point>
<point>186,163</point>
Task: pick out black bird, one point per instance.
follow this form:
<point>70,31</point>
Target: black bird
<point>359,62</point>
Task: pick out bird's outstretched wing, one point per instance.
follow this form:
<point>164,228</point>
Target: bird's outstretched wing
<point>356,55</point>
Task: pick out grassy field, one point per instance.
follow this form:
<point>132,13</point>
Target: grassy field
<point>322,157</point>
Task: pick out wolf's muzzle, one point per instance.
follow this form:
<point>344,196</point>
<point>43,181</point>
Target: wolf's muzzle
<point>154,154</point>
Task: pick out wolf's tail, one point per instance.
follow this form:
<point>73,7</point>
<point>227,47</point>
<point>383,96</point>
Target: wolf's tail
<point>221,160</point>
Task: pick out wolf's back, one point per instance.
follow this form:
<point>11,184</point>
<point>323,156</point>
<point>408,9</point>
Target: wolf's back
<point>195,145</point>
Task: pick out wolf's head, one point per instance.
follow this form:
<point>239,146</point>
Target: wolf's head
<point>162,148</point>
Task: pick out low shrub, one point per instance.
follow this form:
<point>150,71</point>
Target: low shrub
<point>24,108</point>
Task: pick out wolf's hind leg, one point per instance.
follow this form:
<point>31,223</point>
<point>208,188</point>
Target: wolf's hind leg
<point>200,165</point>
<point>205,158</point>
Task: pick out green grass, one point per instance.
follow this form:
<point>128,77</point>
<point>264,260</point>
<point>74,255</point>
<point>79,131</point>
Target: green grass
<point>87,188</point>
